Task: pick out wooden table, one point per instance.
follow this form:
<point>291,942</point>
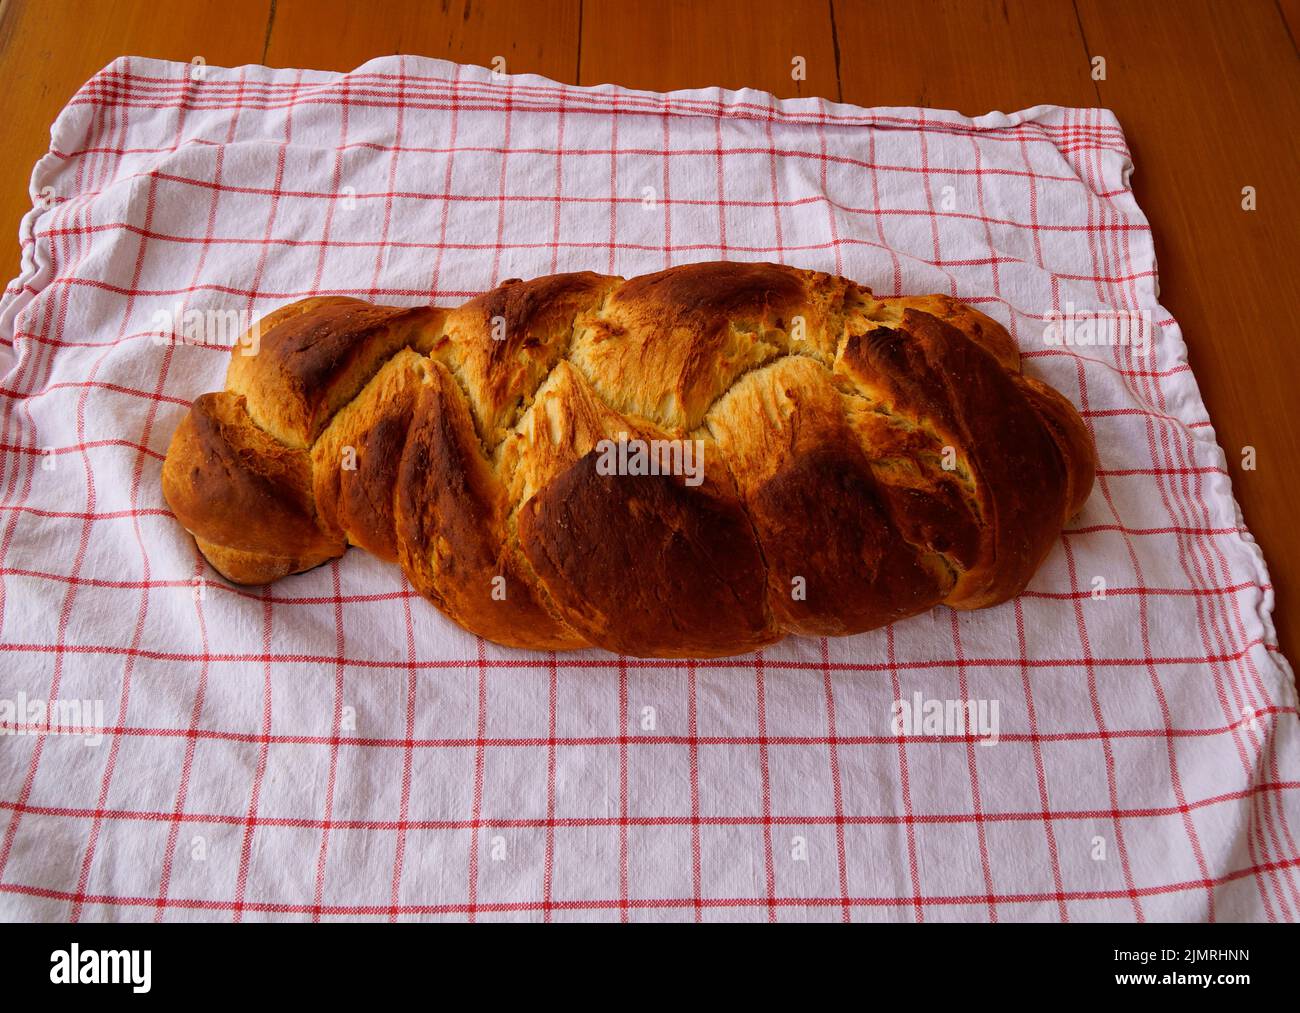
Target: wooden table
<point>1208,93</point>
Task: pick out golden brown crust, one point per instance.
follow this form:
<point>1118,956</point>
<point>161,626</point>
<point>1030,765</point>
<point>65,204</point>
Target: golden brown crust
<point>981,329</point>
<point>670,344</point>
<point>1072,440</point>
<point>355,460</point>
<point>451,513</point>
<point>863,459</point>
<point>240,567</point>
<point>502,344</point>
<point>928,370</point>
<point>839,557</point>
<point>650,567</point>
<point>235,488</point>
<point>296,373</point>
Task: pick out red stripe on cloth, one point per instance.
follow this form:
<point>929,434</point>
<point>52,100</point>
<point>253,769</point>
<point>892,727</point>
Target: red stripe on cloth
<point>1040,775</point>
<point>1169,727</point>
<point>977,807</point>
<point>837,788</point>
<point>187,764</point>
<point>476,810</point>
<point>250,821</point>
<point>370,742</point>
<point>669,903</point>
<point>909,817</point>
<point>322,856</point>
<point>408,759</point>
<point>765,774</point>
<point>697,872</point>
<point>199,583</point>
<point>66,611</point>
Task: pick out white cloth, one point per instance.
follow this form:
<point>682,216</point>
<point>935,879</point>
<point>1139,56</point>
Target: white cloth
<point>332,747</point>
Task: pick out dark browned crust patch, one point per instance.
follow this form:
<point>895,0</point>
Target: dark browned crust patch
<point>450,518</point>
<point>309,363</point>
<point>366,494</point>
<point>648,565</point>
<point>820,519</point>
<point>934,372</point>
<point>708,296</point>
<point>231,484</point>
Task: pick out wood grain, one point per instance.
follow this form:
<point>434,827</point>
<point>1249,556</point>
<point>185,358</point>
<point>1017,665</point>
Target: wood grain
<point>1290,11</point>
<point>1209,101</point>
<point>663,46</point>
<point>972,57</point>
<point>538,37</point>
<point>48,49</point>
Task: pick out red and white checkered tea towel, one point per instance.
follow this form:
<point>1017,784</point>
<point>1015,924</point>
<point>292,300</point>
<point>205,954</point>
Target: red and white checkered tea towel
<point>1120,742</point>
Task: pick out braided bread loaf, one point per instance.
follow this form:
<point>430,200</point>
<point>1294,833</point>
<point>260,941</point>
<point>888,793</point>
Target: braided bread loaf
<point>533,458</point>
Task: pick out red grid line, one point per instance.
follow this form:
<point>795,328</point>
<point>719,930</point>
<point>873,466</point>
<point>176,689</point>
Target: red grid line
<point>578,822</point>
<point>669,903</point>
<point>408,760</point>
<point>909,817</point>
<point>1098,735</point>
<point>266,656</point>
<point>837,787</point>
<point>693,741</point>
<point>480,747</point>
<point>1094,241</point>
<point>107,85</point>
<point>65,612</point>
